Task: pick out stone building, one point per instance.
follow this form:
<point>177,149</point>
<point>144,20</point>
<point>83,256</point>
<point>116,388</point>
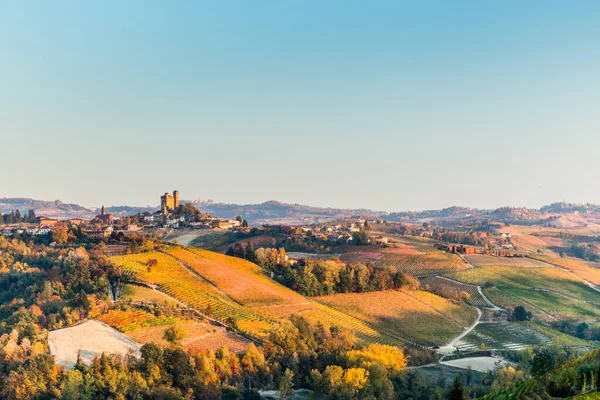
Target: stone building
<point>105,219</point>
<point>169,203</point>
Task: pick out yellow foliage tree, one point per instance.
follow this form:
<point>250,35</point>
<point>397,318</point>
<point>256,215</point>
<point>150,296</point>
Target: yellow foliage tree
<point>391,357</point>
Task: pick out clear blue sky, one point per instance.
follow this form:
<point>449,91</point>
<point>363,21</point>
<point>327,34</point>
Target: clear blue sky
<point>388,105</point>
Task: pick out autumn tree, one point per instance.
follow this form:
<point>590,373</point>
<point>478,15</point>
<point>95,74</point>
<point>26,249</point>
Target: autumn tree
<point>174,334</point>
<point>60,234</point>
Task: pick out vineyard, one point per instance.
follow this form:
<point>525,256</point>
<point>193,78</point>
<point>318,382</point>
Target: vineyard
<point>547,292</point>
<point>144,294</point>
<point>577,267</point>
<point>435,262</point>
<point>171,276</point>
<point>475,298</point>
<point>418,316</point>
<point>135,319</point>
<point>239,279</point>
<point>173,279</point>
<point>197,336</point>
<point>501,336</point>
<point>481,260</point>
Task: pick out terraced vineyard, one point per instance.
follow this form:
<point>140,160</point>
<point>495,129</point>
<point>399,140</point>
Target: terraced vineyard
<point>173,279</point>
<point>501,336</point>
<point>227,276</point>
<point>476,299</point>
<point>135,319</point>
<point>435,262</point>
<point>240,279</point>
<point>418,316</point>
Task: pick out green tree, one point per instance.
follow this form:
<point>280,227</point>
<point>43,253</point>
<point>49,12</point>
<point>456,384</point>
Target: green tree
<point>249,252</point>
<point>520,314</point>
<point>457,391</point>
<point>361,238</point>
<point>542,363</point>
<point>238,250</point>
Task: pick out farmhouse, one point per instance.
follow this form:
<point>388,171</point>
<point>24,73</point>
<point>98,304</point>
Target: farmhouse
<point>47,221</point>
<point>381,240</point>
<point>457,249</point>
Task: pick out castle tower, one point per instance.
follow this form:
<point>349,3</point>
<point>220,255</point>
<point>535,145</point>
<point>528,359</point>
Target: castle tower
<point>176,198</point>
<point>102,211</point>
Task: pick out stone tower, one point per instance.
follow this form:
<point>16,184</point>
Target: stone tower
<point>176,198</point>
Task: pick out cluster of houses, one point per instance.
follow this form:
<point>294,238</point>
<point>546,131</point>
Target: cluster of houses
<point>340,233</point>
<point>105,224</point>
<point>42,226</point>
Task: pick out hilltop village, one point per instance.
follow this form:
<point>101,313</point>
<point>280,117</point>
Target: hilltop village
<point>327,238</point>
<point>171,214</point>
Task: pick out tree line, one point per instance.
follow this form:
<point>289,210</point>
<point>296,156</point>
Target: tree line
<point>15,217</point>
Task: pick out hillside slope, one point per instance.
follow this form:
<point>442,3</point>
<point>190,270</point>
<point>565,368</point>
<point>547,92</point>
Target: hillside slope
<point>229,289</point>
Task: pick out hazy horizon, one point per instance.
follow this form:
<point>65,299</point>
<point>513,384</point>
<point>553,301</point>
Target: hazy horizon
<point>157,205</point>
<point>386,106</point>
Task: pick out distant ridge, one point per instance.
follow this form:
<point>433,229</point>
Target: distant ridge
<point>58,209</point>
<point>276,212</point>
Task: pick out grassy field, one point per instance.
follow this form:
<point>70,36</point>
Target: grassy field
<point>418,315</point>
<point>434,262</point>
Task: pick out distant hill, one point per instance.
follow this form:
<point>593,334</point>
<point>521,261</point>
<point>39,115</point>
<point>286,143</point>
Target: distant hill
<point>58,209</point>
<point>275,212</point>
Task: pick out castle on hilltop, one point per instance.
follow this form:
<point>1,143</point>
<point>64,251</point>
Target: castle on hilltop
<point>169,203</point>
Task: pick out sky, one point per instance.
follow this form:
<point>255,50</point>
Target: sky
<point>387,105</point>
